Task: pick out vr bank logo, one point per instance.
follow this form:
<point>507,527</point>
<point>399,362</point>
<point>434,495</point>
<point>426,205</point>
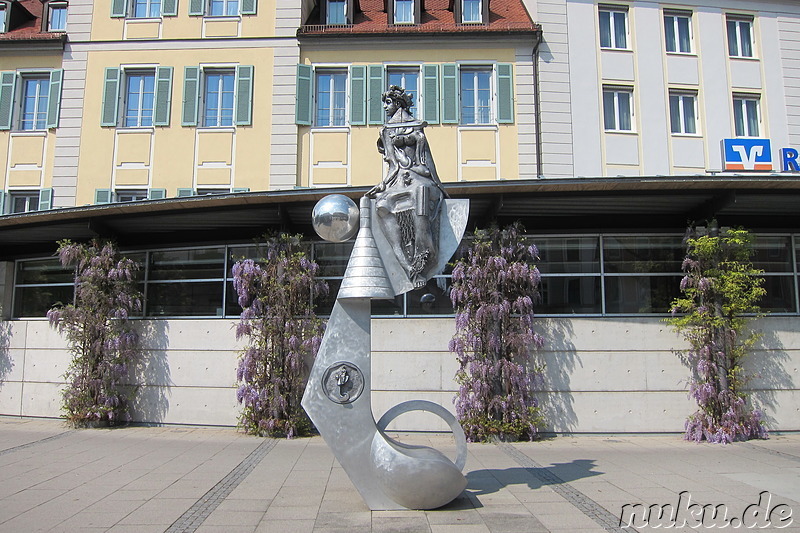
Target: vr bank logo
<point>747,154</point>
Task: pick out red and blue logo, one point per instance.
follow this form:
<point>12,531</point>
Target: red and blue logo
<point>747,154</point>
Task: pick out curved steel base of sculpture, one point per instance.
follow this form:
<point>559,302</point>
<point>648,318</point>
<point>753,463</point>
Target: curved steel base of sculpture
<point>387,474</point>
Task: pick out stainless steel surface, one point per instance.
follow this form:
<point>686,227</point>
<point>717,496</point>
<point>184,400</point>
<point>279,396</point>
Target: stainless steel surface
<point>365,276</point>
<point>335,218</point>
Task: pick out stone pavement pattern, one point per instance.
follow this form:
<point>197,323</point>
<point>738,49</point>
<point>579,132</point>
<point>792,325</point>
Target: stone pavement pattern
<point>187,479</point>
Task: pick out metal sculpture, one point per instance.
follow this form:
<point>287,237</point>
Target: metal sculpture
<point>419,228</point>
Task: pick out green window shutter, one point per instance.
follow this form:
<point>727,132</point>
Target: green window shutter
<point>163,96</point>
<point>54,98</point>
<point>305,99</point>
<point>169,8</point>
<point>358,95</point>
<point>191,94</point>
<point>110,97</point>
<point>505,93</point>
<point>244,95</point>
<point>430,93</point>
<point>156,194</point>
<point>45,199</point>
<point>240,189</point>
<point>119,8</point>
<point>375,89</point>
<point>183,193</point>
<point>7,82</point>
<point>3,204</point>
<point>102,196</point>
<point>450,94</point>
<point>249,7</point>
<point>197,7</point>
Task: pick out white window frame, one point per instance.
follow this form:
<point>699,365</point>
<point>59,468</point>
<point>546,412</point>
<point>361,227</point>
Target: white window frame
<point>464,19</point>
<point>617,92</point>
<point>212,70</point>
<point>475,104</point>
<point>612,27</point>
<point>130,195</point>
<point>329,11</point>
<point>404,70</point>
<point>42,100</point>
<point>741,106</point>
<point>332,109</point>
<point>51,8</point>
<point>672,20</point>
<point>226,6</point>
<point>148,5</point>
<point>126,73</point>
<point>3,17</point>
<point>395,11</point>
<point>737,38</point>
<point>28,196</point>
<point>682,97</point>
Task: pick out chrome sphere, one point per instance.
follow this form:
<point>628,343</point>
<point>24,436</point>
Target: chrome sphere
<point>335,218</point>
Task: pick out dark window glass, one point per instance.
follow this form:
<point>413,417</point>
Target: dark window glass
<point>568,255</point>
<point>36,301</point>
<point>207,263</point>
<point>772,254</point>
<point>185,299</point>
<point>569,295</point>
<point>43,271</point>
<point>432,299</point>
<point>332,257</point>
<point>780,294</point>
<point>641,294</point>
<point>634,255</point>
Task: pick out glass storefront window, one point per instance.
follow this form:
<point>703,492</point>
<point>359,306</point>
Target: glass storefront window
<point>569,295</point>
<point>568,255</point>
<point>643,254</point>
<point>641,294</point>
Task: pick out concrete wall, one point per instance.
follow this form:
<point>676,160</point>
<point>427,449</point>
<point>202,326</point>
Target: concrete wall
<point>603,374</point>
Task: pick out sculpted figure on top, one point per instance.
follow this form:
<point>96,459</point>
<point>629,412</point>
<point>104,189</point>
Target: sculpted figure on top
<point>409,199</point>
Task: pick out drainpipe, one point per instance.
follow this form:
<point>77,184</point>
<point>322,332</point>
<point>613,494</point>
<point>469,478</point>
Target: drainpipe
<point>537,107</point>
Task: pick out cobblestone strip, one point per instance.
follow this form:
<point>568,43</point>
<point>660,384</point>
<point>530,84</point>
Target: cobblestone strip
<point>202,508</point>
<point>585,504</point>
<point>36,442</point>
<point>770,451</point>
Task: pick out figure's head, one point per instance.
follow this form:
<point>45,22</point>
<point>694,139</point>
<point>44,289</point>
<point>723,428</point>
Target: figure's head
<point>396,98</point>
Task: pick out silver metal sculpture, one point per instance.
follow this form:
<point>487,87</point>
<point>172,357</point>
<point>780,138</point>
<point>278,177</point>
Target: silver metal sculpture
<point>418,230</point>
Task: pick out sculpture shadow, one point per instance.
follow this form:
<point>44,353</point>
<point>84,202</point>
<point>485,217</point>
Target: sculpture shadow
<point>767,373</point>
<point>152,374</point>
<point>560,357</point>
<point>6,363</point>
<point>491,480</point>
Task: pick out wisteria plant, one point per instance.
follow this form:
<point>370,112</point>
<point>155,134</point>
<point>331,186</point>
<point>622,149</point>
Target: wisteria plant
<point>102,338</point>
<point>720,289</point>
<point>283,333</point>
<point>494,289</point>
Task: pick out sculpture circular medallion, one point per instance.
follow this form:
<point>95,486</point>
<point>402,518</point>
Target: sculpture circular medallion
<point>343,382</point>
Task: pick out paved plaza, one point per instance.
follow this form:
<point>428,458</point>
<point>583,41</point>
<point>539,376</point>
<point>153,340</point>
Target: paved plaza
<point>186,479</point>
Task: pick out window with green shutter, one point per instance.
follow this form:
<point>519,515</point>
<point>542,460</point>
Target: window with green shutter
<point>304,89</point>
<point>54,98</point>
<point>449,93</point>
<point>8,81</point>
<point>244,95</point>
<point>191,94</point>
<point>430,88</point>
<point>376,88</point>
<point>110,112</point>
<point>505,93</point>
<point>163,96</point>
<point>358,95</point>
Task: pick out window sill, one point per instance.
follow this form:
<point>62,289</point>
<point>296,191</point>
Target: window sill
<point>29,133</point>
<point>682,54</point>
<point>135,129</point>
<point>344,129</point>
<point>489,126</point>
<point>612,49</point>
<point>218,129</point>
<point>743,58</point>
<point>687,135</point>
<point>136,20</point>
<point>622,132</point>
<point>213,18</point>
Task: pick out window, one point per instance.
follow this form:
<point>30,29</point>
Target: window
<point>223,8</point>
<point>403,11</point>
<point>336,12</point>
<point>683,112</point>
<point>740,37</point>
<point>218,98</point>
<point>35,93</point>
<point>476,96</point>
<point>331,97</point>
<point>139,99</point>
<point>128,195</point>
<point>613,27</point>
<point>24,202</point>
<point>408,79</point>
<point>617,109</point>
<point>746,115</point>
<point>472,11</point>
<point>57,17</point>
<point>2,18</point>
<point>678,32</point>
<point>146,9</point>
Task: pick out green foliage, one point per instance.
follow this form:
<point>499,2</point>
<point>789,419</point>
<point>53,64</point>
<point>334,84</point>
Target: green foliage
<point>720,289</point>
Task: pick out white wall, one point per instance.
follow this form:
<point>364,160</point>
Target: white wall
<point>603,374</point>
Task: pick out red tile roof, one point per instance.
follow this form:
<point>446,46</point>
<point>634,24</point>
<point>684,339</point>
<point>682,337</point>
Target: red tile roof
<point>437,17</point>
<point>29,26</point>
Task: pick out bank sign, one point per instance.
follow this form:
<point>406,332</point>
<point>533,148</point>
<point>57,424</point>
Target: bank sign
<point>756,154</point>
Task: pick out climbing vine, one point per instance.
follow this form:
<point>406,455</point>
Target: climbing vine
<point>283,333</point>
<point>494,289</point>
<point>721,291</point>
<point>102,338</point>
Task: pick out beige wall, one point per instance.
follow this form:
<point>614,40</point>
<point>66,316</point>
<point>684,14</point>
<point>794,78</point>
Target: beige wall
<point>602,375</point>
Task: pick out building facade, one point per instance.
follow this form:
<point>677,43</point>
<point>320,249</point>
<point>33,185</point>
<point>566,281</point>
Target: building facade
<point>183,130</point>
